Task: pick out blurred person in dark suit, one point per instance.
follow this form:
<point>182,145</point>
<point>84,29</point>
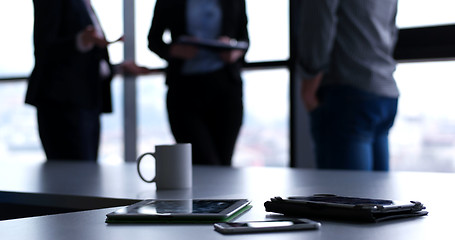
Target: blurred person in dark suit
<point>70,83</point>
<point>205,95</point>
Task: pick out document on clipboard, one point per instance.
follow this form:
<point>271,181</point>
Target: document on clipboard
<point>214,44</point>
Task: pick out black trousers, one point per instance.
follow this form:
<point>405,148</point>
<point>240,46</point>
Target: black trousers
<point>207,111</point>
<point>69,134</point>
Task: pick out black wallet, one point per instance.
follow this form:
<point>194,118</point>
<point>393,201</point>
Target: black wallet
<point>328,206</point>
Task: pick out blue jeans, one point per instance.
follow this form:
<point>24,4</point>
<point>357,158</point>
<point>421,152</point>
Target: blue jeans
<point>350,129</point>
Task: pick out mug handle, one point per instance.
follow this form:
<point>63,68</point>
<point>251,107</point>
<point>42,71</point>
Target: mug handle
<point>139,159</point>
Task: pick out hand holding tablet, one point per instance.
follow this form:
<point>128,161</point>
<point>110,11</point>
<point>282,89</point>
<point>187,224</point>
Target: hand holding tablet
<point>213,44</point>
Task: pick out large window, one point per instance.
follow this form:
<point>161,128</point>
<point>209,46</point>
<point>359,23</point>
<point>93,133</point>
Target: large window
<point>423,137</point>
<point>420,13</point>
<point>16,46</point>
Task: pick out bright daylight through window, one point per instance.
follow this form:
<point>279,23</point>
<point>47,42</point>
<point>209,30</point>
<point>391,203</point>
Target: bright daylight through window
<point>423,137</point>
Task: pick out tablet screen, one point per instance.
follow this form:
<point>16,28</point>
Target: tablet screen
<point>183,206</point>
<point>181,209</point>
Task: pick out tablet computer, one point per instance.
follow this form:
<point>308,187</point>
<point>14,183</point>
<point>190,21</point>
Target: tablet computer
<point>192,210</point>
<point>214,44</point>
<point>345,208</point>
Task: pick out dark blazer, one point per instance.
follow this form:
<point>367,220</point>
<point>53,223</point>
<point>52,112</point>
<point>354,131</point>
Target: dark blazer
<point>171,15</point>
<point>63,75</point>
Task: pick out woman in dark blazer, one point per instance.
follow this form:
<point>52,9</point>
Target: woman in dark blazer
<point>65,85</point>
<point>70,83</point>
<point>204,99</point>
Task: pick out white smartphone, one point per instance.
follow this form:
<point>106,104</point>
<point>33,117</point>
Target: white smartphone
<point>266,226</point>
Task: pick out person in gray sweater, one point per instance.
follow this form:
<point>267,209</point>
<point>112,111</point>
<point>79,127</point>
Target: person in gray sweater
<point>346,62</point>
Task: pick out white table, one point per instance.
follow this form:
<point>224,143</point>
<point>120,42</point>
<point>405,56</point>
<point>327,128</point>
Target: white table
<point>92,186</point>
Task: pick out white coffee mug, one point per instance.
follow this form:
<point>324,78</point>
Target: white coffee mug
<point>173,166</point>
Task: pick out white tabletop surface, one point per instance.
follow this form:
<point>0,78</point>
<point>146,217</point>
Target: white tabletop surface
<point>67,183</point>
